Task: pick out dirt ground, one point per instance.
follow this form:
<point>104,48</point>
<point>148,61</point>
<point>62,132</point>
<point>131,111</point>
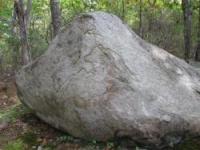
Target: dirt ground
<point>20,129</point>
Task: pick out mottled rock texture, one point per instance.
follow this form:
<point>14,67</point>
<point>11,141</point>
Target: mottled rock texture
<point>99,80</point>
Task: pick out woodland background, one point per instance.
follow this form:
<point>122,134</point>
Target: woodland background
<point>28,26</point>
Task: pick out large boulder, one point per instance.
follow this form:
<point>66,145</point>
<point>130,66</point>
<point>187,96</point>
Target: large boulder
<point>99,80</point>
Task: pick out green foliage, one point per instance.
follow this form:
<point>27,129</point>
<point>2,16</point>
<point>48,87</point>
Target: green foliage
<point>13,113</point>
<point>65,138</point>
<point>29,138</point>
<point>38,43</point>
<point>189,144</point>
<point>5,32</point>
<point>15,145</point>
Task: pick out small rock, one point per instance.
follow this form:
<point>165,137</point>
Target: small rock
<point>4,97</point>
<point>13,99</point>
<point>39,148</point>
<point>3,125</point>
<point>3,86</point>
<point>34,147</point>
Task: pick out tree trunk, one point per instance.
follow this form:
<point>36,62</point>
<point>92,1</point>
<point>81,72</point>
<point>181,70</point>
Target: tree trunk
<point>123,10</point>
<point>187,17</point>
<point>22,22</point>
<point>56,16</point>
<point>197,54</point>
<point>140,20</point>
<point>15,47</point>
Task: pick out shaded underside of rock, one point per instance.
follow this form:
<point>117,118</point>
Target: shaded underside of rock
<point>99,80</point>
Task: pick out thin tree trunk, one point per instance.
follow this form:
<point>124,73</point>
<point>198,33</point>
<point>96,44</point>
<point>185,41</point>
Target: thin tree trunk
<point>140,20</point>
<point>187,17</point>
<point>22,21</point>
<point>14,34</point>
<point>197,54</point>
<point>56,16</point>
<point>123,9</point>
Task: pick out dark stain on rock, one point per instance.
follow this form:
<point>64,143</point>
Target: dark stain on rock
<point>69,42</point>
<point>59,45</point>
<point>70,32</point>
<point>79,39</point>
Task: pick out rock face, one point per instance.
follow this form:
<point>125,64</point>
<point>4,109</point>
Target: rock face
<point>99,80</point>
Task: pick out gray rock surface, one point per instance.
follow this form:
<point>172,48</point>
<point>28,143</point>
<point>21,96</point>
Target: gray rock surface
<point>99,80</point>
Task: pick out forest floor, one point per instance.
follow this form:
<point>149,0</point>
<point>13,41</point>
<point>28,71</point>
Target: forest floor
<point>20,129</point>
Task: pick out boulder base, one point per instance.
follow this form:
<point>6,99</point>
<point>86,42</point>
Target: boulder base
<point>99,80</point>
